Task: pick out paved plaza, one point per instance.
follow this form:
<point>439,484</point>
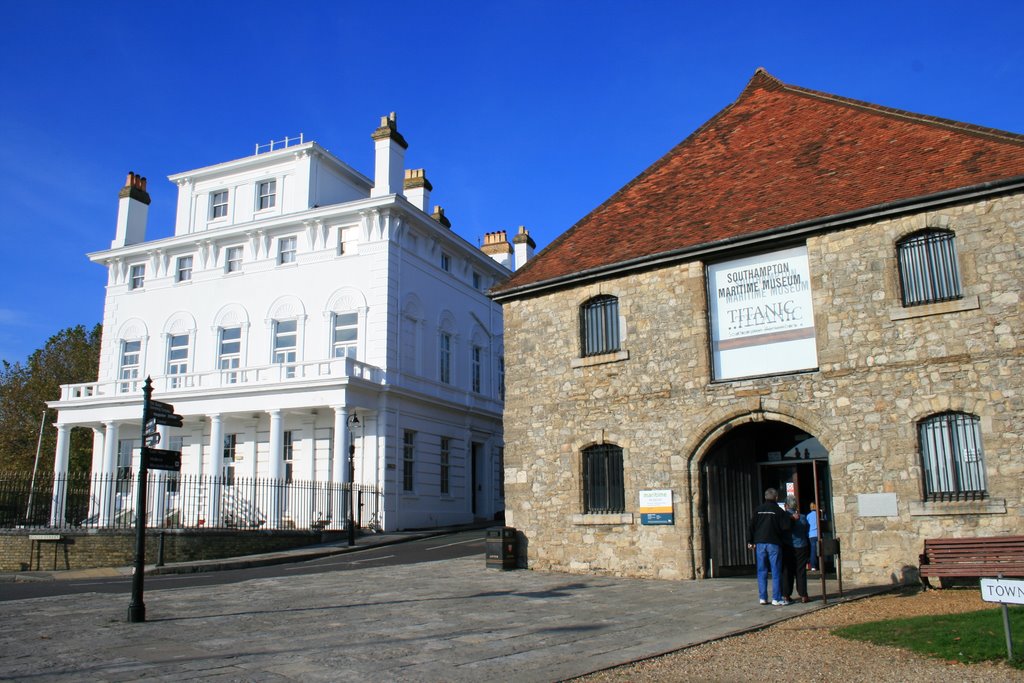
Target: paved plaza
<point>453,620</point>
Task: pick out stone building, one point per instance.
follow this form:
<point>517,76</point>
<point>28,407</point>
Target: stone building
<point>809,292</point>
<point>310,324</point>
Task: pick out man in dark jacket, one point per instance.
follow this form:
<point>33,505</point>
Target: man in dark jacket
<point>764,536</point>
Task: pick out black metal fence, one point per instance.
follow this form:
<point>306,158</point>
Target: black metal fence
<point>176,501</point>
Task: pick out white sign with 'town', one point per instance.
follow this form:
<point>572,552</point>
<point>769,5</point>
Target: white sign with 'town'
<point>1002,590</point>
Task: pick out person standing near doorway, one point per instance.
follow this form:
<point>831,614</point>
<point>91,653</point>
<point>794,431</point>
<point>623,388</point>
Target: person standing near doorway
<point>764,536</point>
<point>812,534</point>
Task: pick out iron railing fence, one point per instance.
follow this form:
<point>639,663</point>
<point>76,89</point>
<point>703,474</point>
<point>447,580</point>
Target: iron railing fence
<point>184,501</point>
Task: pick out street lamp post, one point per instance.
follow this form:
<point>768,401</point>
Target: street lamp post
<point>353,423</point>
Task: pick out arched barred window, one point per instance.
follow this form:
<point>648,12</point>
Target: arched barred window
<point>929,269</point>
<point>952,460</point>
<point>599,326</point>
<point>603,488</point>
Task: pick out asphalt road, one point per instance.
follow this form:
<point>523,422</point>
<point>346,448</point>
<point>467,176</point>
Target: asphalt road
<point>448,546</point>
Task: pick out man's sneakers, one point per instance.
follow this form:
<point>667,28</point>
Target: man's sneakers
<point>764,602</point>
<point>781,603</point>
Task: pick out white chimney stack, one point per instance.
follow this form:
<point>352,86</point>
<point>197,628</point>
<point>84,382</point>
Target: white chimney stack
<point>132,212</point>
<point>497,247</point>
<point>417,188</point>
<point>389,159</point>
<point>524,246</point>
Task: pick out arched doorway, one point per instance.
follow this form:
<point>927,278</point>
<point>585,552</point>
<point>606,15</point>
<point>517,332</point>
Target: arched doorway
<point>744,462</point>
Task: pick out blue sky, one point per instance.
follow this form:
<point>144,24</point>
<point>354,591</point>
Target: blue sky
<point>523,113</point>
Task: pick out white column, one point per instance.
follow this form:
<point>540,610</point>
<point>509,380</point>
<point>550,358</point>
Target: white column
<point>275,471</point>
<point>98,450</point>
<point>158,492</point>
<point>339,466</point>
<point>108,473</point>
<point>214,469</point>
<point>60,475</point>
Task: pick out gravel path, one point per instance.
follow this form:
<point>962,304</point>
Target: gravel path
<point>803,649</point>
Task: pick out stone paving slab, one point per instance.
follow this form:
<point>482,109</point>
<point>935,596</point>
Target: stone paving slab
<point>453,620</point>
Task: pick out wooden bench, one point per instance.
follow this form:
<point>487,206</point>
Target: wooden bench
<point>959,558</point>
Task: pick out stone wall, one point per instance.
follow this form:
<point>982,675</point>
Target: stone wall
<point>882,367</point>
<point>116,548</point>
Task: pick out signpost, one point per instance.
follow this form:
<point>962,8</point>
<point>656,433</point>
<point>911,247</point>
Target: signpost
<point>153,413</point>
<point>1004,591</point>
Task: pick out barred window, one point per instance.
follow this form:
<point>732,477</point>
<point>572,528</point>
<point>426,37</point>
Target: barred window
<point>929,271</point>
<point>603,489</point>
<point>599,326</point>
<point>952,459</point>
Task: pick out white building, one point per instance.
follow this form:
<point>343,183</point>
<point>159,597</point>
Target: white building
<point>301,308</point>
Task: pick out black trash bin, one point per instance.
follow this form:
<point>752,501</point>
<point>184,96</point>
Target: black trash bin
<point>501,547</point>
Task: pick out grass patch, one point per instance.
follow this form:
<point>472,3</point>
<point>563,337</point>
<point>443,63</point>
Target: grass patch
<point>968,638</point>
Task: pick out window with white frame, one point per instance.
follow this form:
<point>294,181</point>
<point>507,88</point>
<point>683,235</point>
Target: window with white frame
<point>288,453</point>
<point>408,459</point>
<point>177,359</point>
<point>129,366</point>
<point>183,272</point>
<point>233,259</point>
<point>137,276</point>
<point>266,194</point>
<point>125,449</point>
<point>475,362</point>
<point>229,353</point>
<point>345,335</point>
<point>230,448</point>
<point>952,458</point>
<point>599,326</point>
<point>286,249</point>
<point>444,360</point>
<point>478,281</point>
<point>446,262</point>
<point>446,455</point>
<point>286,344</point>
<point>218,204</point>
<point>174,443</point>
<point>929,268</point>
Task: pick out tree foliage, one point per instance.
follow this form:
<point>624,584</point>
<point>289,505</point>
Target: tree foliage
<point>69,357</point>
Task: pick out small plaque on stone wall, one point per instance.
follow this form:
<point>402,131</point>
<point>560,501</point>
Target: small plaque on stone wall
<point>877,504</point>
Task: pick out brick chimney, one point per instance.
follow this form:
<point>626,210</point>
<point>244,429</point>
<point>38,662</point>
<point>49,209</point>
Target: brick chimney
<point>497,247</point>
<point>524,246</point>
<point>439,216</point>
<point>389,157</point>
<point>417,188</point>
<point>132,212</point>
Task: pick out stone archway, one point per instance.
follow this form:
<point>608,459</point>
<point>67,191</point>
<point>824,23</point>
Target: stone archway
<point>736,469</point>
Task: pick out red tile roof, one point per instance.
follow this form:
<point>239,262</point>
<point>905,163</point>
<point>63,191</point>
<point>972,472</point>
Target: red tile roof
<point>777,156</point>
